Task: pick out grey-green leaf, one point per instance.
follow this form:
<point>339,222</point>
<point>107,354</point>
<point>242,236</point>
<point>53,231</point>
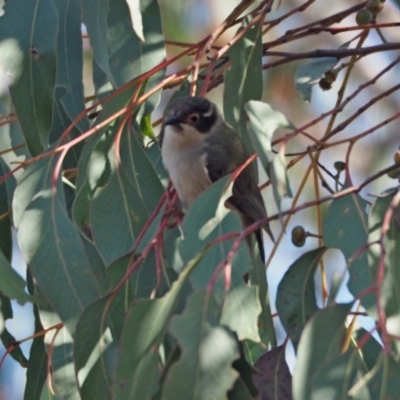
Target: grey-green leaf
<point>208,350</point>
<point>296,300</point>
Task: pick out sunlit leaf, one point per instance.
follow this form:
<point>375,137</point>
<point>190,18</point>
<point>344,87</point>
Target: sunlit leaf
<point>240,312</point>
<point>208,350</point>
<point>28,46</point>
<point>263,122</point>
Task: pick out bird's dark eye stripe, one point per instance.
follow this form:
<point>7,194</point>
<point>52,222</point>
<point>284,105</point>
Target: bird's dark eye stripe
<point>205,123</point>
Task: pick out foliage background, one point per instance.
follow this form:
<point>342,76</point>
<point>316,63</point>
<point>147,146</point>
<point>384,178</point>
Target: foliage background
<point>191,21</point>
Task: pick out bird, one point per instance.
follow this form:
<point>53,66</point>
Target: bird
<point>198,148</point>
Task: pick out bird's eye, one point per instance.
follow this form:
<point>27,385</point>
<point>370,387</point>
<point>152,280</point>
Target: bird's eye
<point>194,118</point>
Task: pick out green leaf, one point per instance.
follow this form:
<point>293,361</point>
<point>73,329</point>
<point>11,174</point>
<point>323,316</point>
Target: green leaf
<point>240,312</point>
<point>279,178</point>
<point>382,383</point>
<point>6,190</point>
<point>243,81</point>
<point>390,289</point>
<point>11,284</point>
<point>208,350</point>
<point>134,191</point>
<point>145,326</point>
<point>36,373</point>
<point>7,338</point>
<point>206,220</point>
<point>263,122</point>
<point>371,349</point>
<point>55,253</point>
<point>70,62</point>
<point>345,227</point>
<point>273,379</point>
<point>320,342</point>
<point>258,277</point>
<point>118,50</point>
<point>95,351</point>
<point>28,45</point>
<point>296,301</point>
<point>335,378</point>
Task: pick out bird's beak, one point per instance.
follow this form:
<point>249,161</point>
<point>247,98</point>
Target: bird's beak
<point>173,120</point>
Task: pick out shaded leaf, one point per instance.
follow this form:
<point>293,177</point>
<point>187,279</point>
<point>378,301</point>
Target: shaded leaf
<point>133,190</point>
<point>37,366</point>
<point>273,380</point>
<point>296,301</point>
<point>345,227</point>
<point>381,383</point>
<point>28,55</point>
<point>6,193</point>
<point>335,378</point>
<point>320,342</point>
<point>145,326</point>
<point>95,351</point>
<point>371,349</point>
<point>208,350</point>
<point>118,50</point>
<point>390,289</point>
<point>243,81</point>
<point>70,62</point>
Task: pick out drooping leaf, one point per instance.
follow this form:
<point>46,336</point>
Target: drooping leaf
<point>207,220</point>
<point>8,340</point>
<point>370,350</point>
<point>382,383</point>
<point>258,277</point>
<point>117,48</point>
<point>145,326</point>
<point>277,173</point>
<point>11,284</point>
<point>390,289</point>
<point>38,359</point>
<point>320,342</point>
<point>134,191</point>
<point>28,46</point>
<point>95,351</point>
<point>296,301</point>
<point>55,253</point>
<point>5,213</point>
<point>263,122</point>
<point>243,81</point>
<point>335,378</point>
<point>70,62</point>
<point>136,17</point>
<point>208,350</point>
<point>345,227</point>
<point>273,380</point>
<point>240,312</point>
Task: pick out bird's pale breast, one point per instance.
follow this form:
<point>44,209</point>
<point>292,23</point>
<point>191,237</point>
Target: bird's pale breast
<point>185,166</point>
